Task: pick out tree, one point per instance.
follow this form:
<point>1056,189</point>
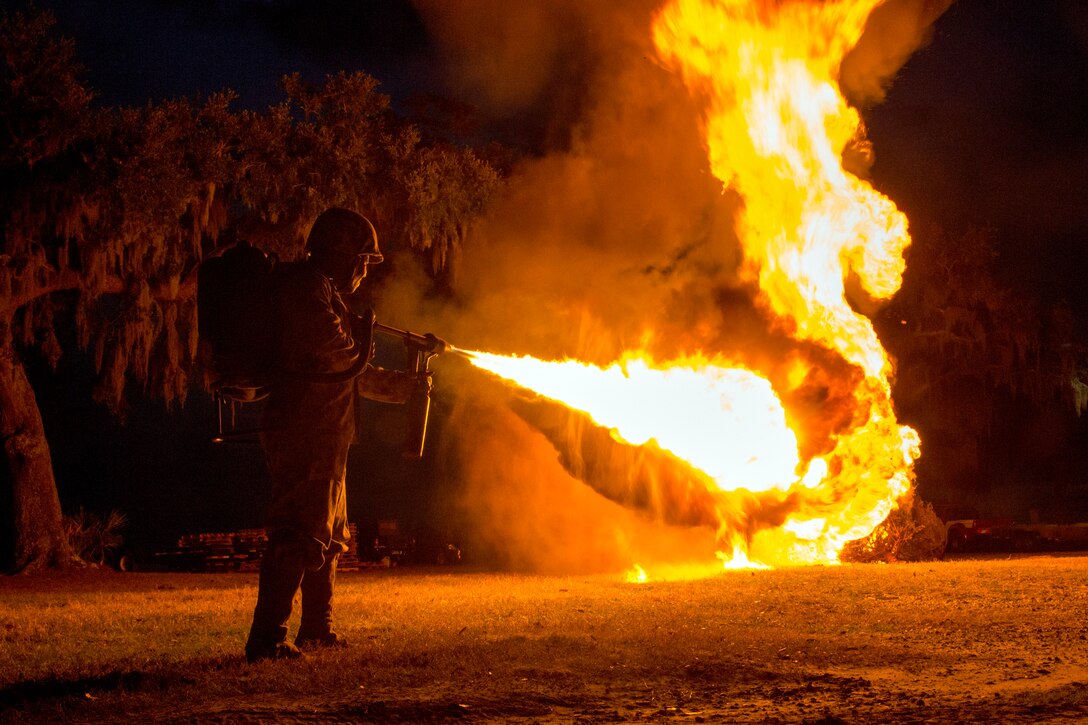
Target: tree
<point>107,213</point>
<point>975,357</point>
<point>45,108</point>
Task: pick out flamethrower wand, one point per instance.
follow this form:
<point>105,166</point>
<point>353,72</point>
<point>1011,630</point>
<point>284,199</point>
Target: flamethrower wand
<point>420,349</point>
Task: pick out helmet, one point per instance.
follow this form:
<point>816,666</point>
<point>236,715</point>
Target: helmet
<point>342,231</point>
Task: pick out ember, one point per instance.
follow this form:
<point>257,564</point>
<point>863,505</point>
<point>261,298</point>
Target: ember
<point>776,128</point>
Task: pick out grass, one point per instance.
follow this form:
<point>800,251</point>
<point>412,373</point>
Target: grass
<point>969,641</point>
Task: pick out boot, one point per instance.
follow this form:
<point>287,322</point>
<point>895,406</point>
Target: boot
<point>281,573</point>
<point>316,627</point>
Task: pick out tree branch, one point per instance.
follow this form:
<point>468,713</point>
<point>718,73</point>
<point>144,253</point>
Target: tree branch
<point>70,279</point>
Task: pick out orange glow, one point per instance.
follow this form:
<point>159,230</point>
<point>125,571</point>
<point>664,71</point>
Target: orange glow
<point>637,575</point>
<point>740,560</point>
<point>776,129</point>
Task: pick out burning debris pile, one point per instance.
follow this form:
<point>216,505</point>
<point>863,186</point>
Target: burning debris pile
<point>756,404</point>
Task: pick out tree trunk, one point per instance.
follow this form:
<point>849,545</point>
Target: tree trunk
<point>39,538</point>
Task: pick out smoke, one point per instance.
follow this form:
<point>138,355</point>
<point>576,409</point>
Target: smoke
<point>612,234</point>
<point>599,234</point>
<point>505,60</point>
<point>519,508</point>
<point>894,32</point>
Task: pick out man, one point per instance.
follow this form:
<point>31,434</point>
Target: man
<point>309,424</point>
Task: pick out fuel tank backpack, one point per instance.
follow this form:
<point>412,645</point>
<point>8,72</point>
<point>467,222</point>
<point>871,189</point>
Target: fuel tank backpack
<point>234,322</point>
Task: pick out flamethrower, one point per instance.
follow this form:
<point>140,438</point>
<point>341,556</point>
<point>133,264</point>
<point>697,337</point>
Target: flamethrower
<point>419,349</point>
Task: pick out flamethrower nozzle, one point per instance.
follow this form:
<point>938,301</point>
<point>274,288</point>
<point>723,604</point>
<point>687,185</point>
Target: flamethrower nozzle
<point>436,345</point>
<point>429,344</point>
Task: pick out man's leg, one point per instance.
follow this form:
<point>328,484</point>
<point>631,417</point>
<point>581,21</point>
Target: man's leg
<point>317,587</point>
<point>282,569</point>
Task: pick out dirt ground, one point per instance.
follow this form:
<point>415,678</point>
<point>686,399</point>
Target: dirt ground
<point>974,641</point>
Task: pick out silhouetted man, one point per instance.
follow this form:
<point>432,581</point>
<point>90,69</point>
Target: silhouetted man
<point>309,427</point>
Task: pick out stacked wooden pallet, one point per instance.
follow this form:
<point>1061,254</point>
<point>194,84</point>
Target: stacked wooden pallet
<point>234,551</point>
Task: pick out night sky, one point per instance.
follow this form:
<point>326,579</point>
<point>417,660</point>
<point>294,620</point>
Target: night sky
<point>138,51</point>
<point>985,127</point>
<point>988,127</point>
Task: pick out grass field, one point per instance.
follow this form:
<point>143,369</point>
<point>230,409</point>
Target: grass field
<point>989,641</point>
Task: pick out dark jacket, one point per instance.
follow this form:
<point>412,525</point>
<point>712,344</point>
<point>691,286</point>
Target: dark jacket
<point>310,425</point>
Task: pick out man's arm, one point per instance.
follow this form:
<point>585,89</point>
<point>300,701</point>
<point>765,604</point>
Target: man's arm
<point>317,328</point>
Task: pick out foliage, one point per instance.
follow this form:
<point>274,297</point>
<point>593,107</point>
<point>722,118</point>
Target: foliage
<point>42,102</point>
<point>978,363</point>
<point>93,538</point>
<point>961,330</point>
<point>443,184</point>
<point>121,205</point>
<point>912,532</point>
<point>1080,391</point>
<point>967,324</point>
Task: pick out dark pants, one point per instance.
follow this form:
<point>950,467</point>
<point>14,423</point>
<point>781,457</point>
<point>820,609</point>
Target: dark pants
<point>283,573</point>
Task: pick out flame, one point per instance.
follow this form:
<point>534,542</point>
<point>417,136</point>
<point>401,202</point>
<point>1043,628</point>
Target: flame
<point>727,422</point>
<point>776,129</point>
<point>740,560</point>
